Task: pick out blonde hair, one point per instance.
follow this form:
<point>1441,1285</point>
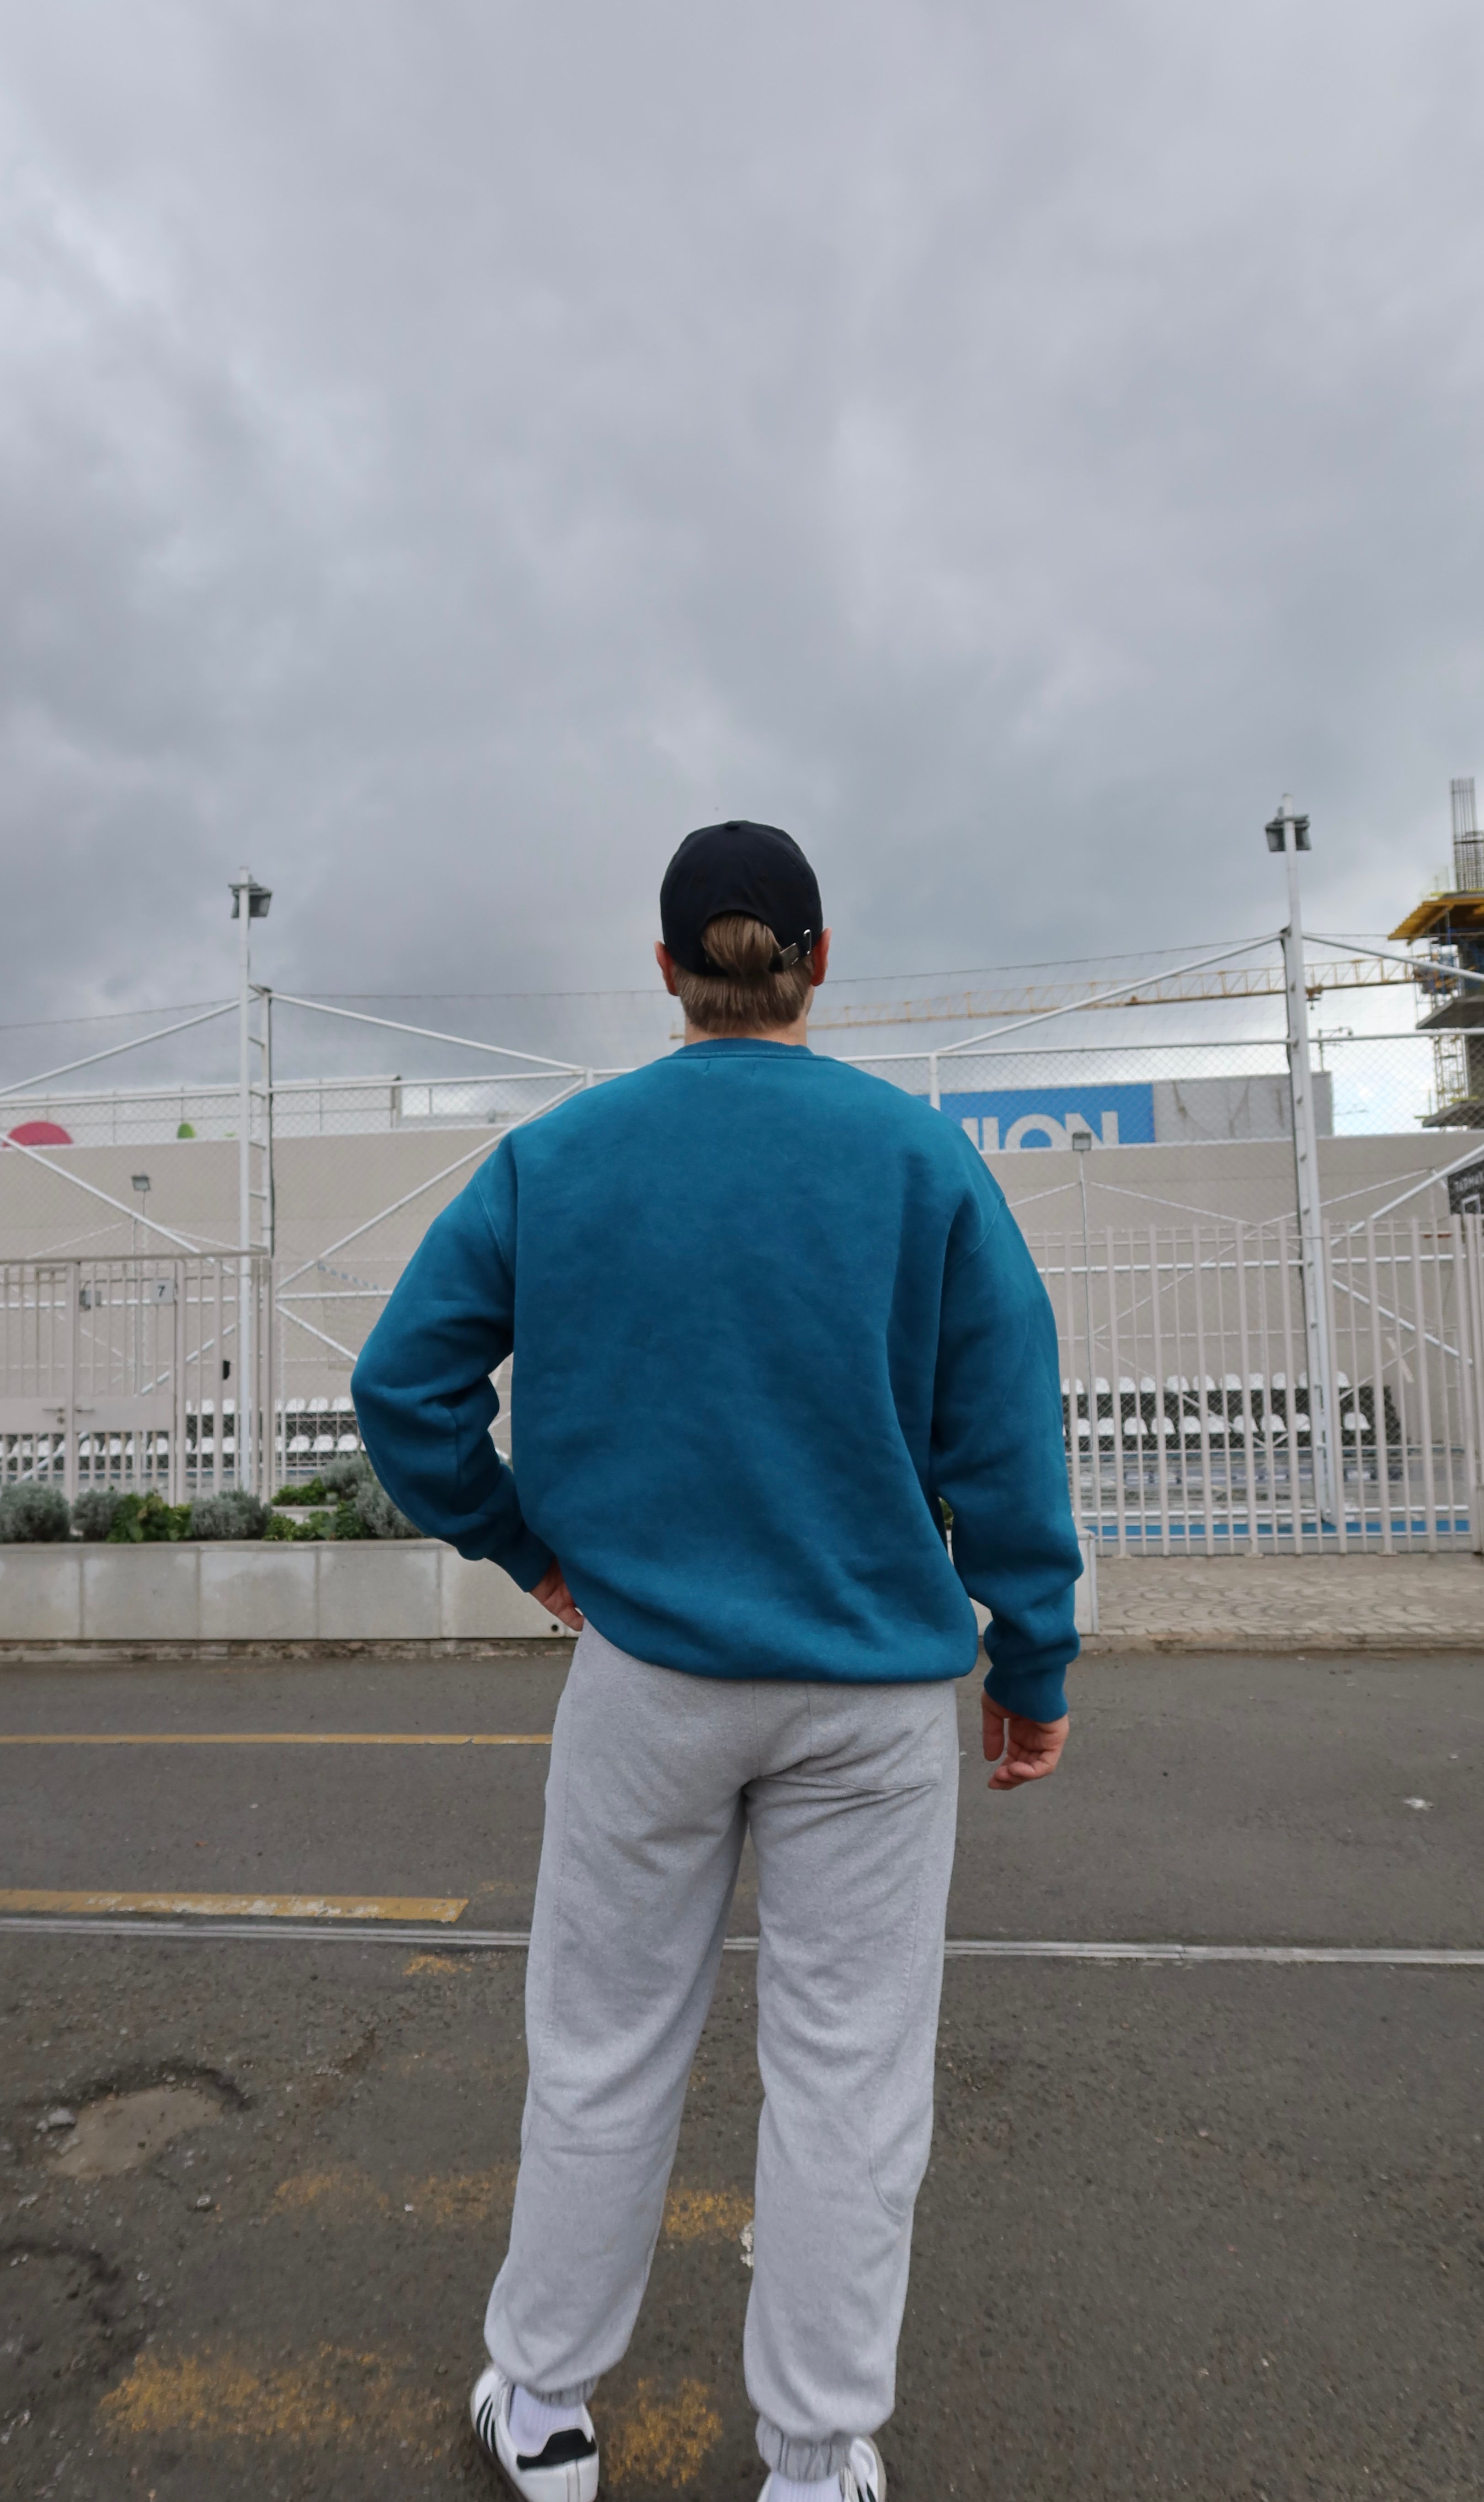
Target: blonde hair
<point>742,995</point>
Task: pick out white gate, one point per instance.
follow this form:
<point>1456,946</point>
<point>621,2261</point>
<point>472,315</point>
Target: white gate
<point>127,1372</point>
<point>1185,1398</point>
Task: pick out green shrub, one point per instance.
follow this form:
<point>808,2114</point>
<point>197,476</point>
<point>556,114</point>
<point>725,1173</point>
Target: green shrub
<point>337,1478</point>
<point>233,1514</point>
<point>379,1515</point>
<point>149,1520</point>
<point>34,1515</point>
<point>281,1530</point>
<point>347,1523</point>
<point>93,1514</point>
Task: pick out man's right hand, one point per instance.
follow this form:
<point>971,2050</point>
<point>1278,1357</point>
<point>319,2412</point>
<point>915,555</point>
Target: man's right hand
<point>552,1593</point>
<point>1021,1750</point>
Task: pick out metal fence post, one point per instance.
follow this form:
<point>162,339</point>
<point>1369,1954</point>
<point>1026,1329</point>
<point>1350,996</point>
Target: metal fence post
<point>73,1289</point>
<point>177,1386</point>
<point>1289,834</point>
<point>246,1475</point>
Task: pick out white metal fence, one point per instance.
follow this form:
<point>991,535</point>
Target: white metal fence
<point>131,1371</point>
<point>1186,1398</point>
<point>1186,1403</point>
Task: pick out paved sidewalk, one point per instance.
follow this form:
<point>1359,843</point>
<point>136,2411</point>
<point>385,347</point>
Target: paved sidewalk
<point>1291,1603</point>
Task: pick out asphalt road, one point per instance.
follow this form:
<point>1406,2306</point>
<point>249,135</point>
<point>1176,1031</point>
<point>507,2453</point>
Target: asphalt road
<point>1213,2230</point>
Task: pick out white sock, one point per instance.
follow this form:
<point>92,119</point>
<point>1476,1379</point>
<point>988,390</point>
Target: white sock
<point>532,2423</point>
<point>788,2488</point>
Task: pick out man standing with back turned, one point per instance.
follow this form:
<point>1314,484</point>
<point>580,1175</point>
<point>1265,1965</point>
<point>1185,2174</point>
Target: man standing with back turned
<point>770,1316</point>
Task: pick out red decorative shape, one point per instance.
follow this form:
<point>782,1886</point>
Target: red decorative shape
<point>36,1134</point>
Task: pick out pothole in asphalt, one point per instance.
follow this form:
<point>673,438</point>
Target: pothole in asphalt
<point>119,2132</point>
<point>59,2313</point>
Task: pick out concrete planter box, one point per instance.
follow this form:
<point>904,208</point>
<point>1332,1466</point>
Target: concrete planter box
<point>238,1595</point>
<point>241,1595</point>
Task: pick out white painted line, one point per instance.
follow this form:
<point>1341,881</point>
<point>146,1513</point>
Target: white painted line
<point>987,1949</point>
<point>1107,1950</point>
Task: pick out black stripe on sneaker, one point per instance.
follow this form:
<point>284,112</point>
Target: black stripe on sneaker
<point>562,2450</point>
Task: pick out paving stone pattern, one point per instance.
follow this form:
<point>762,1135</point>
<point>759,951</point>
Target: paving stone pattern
<point>1291,1603</point>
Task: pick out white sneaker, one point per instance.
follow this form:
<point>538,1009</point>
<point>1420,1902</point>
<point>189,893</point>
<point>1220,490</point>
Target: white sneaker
<point>564,2471</point>
<point>862,2479</point>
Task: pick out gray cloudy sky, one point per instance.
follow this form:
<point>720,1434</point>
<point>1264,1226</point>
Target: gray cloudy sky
<point>447,451</point>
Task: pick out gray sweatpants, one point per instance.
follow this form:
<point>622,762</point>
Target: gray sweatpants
<point>850,1793</point>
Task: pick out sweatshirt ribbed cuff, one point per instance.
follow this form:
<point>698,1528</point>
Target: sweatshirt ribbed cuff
<point>528,1562</point>
<point>1032,1693</point>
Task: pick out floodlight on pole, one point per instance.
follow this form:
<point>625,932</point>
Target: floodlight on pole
<point>246,892</point>
<point>1274,829</point>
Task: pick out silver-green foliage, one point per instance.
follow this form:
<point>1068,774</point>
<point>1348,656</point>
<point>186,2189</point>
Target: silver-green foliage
<point>233,1514</point>
<point>34,1515</point>
<point>93,1514</point>
<point>380,1515</point>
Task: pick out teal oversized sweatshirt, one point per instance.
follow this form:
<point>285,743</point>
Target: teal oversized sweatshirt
<point>766,1311</point>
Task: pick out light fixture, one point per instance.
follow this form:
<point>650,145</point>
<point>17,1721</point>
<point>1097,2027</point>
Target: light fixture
<point>1274,830</point>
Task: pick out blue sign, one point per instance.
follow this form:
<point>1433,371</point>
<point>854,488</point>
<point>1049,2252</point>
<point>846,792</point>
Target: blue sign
<point>1045,1116</point>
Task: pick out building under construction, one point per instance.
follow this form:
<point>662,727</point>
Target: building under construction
<point>1450,924</point>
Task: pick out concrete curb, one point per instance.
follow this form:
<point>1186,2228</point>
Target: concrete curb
<point>1242,1643</point>
<point>254,1654</point>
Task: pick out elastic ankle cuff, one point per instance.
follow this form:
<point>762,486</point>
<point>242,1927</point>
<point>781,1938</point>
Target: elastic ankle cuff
<point>805,2462</point>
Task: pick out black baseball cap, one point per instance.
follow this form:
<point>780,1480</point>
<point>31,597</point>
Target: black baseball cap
<point>740,867</point>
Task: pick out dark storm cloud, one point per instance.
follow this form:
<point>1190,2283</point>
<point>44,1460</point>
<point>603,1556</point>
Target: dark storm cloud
<point>447,453</point>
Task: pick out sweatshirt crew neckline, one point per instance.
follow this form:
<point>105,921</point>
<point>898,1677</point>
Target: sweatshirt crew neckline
<point>742,1046</point>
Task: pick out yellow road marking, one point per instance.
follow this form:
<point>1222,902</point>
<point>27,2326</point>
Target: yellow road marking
<point>441,2198</point>
<point>336,2398</point>
<point>260,1738</point>
<point>259,1907</point>
<point>690,2213</point>
<point>660,2440</point>
<point>705,2214</point>
<point>334,2395</point>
